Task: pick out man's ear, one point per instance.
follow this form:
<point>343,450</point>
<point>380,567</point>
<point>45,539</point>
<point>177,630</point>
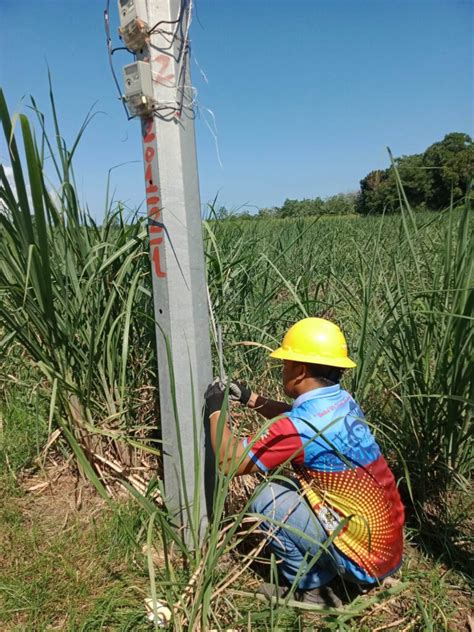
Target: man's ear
<point>301,371</point>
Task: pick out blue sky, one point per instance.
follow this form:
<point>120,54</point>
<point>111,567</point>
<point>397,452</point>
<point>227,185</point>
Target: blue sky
<point>306,95</point>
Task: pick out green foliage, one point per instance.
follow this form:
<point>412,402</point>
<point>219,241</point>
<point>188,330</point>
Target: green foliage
<point>76,300</point>
<point>372,196</point>
<point>23,417</point>
<point>68,287</point>
<point>398,286</point>
<point>340,204</point>
<point>451,168</point>
<point>429,357</point>
<point>300,208</point>
<point>430,180</point>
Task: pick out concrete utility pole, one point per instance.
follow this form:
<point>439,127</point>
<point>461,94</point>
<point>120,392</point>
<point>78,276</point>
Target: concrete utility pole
<point>176,248</point>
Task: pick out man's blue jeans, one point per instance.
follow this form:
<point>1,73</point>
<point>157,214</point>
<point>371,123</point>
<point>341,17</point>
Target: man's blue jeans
<point>296,547</point>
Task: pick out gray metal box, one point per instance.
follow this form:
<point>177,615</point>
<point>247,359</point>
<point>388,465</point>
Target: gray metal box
<point>133,23</point>
<point>132,10</point>
<point>138,87</point>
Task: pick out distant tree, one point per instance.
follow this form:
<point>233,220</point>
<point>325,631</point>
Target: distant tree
<point>414,178</point>
<point>428,179</point>
<point>301,208</point>
<point>267,212</point>
<point>450,166</point>
<point>340,204</point>
<point>245,215</point>
<point>219,213</point>
<point>374,193</point>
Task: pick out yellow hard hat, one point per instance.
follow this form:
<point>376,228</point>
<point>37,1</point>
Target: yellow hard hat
<point>316,341</point>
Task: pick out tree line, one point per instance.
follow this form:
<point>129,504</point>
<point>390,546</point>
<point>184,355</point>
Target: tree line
<point>431,180</point>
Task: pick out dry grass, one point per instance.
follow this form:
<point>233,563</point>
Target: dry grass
<point>66,554</point>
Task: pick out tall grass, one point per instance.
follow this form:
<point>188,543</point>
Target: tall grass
<point>401,287</point>
<point>199,583</point>
<point>68,289</point>
<point>75,298</point>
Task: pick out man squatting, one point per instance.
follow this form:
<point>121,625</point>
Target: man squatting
<point>341,504</point>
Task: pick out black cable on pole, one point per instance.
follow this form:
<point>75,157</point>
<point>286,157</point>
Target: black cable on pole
<point>111,51</point>
<point>180,33</point>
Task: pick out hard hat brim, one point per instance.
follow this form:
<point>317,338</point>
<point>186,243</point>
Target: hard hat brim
<point>287,354</point>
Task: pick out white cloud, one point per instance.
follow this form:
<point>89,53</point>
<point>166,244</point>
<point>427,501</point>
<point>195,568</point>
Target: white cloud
<point>55,199</point>
<point>11,181</point>
<point>9,174</point>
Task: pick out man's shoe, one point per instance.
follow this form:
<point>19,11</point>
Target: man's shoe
<point>323,596</point>
<point>271,591</point>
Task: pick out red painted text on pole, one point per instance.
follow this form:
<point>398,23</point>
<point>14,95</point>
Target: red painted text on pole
<point>162,62</point>
<point>153,199</point>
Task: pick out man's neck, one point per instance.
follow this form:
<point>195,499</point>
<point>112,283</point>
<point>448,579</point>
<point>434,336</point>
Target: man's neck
<point>310,384</point>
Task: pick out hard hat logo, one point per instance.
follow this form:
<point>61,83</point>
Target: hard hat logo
<point>315,341</point>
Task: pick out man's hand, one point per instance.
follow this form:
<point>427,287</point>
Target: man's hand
<point>214,396</point>
<point>229,449</point>
<point>239,392</point>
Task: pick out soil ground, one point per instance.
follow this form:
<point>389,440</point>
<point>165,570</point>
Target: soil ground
<point>71,561</point>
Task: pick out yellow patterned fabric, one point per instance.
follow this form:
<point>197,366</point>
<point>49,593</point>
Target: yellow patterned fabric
<point>365,504</point>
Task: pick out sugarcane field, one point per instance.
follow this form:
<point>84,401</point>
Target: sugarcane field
<point>236,316</point>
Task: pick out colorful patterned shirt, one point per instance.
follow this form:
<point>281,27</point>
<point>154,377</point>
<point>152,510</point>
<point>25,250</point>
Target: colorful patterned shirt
<point>343,475</point>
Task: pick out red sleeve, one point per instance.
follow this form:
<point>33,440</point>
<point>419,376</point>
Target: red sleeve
<point>279,443</point>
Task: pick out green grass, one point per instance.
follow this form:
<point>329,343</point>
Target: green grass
<point>400,287</point>
<point>67,288</point>
<point>23,416</point>
<point>77,346</point>
<point>85,571</point>
<point>70,574</point>
<point>76,298</point>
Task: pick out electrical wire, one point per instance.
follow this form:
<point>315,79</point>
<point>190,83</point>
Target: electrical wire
<point>180,34</point>
<point>111,51</point>
<point>186,93</point>
<point>186,51</point>
<point>178,47</point>
<point>184,8</point>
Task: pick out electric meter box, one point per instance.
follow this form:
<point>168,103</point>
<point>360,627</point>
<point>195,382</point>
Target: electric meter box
<point>139,88</point>
<point>132,10</point>
<point>133,23</point>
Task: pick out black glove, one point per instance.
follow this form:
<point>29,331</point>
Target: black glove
<point>214,396</point>
<point>239,392</point>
